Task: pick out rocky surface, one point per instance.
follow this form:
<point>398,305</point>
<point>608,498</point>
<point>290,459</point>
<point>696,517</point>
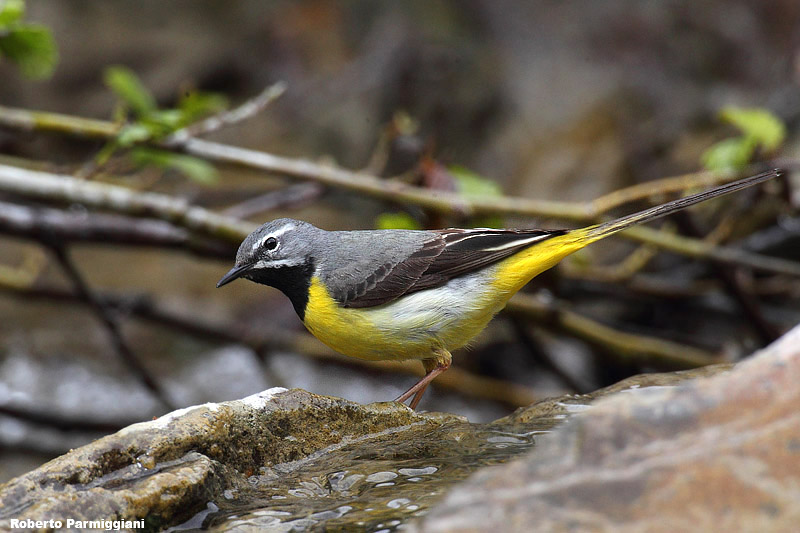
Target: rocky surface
<point>715,454</point>
<point>286,459</point>
<point>166,470</point>
<point>712,450</point>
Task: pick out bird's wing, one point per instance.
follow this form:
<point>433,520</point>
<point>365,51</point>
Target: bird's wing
<point>447,254</point>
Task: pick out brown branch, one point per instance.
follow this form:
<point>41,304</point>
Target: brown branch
<point>659,187</point>
<point>61,188</point>
<point>444,202</point>
<point>112,326</point>
<point>440,201</point>
<point>627,347</point>
<point>622,271</point>
<point>56,225</point>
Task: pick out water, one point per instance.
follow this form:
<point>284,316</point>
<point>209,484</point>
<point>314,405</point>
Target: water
<point>376,483</point>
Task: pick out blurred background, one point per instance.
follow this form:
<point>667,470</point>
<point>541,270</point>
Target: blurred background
<point>549,100</point>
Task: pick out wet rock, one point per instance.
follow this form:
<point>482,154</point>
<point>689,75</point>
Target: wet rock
<point>165,471</point>
<point>714,454</point>
<point>284,458</point>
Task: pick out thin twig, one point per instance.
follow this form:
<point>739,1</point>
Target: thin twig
<point>438,201</point>
<point>625,346</point>
<point>290,196</point>
<point>541,355</point>
<point>622,271</point>
<point>246,110</point>
<point>110,322</point>
<point>738,283</point>
<point>444,202</point>
<point>640,191</point>
<point>702,250</point>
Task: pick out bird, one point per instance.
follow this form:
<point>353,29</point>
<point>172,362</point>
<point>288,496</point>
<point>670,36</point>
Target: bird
<point>397,294</point>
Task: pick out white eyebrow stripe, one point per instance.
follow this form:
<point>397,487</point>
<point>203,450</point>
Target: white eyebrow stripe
<point>277,233</point>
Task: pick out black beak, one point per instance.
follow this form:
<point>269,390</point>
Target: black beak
<point>234,273</point>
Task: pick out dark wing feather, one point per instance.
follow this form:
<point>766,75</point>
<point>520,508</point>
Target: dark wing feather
<point>451,253</point>
<point>389,281</point>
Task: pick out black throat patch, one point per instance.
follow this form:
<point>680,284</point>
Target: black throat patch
<point>293,281</point>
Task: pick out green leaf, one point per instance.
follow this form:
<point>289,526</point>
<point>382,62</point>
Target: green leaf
<point>32,47</point>
<point>730,154</point>
<point>396,221</point>
<point>196,105</point>
<point>11,11</point>
<point>191,167</point>
<point>474,185</point>
<point>470,183</point>
<point>761,125</point>
<point>132,134</point>
<point>165,121</point>
<point>129,89</point>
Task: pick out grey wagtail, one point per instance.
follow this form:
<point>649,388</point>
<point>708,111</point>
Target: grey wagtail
<point>405,294</point>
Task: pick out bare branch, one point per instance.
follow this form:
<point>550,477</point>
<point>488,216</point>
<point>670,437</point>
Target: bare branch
<point>626,346</point>
<point>56,225</point>
<point>440,201</point>
<point>290,196</point>
<point>110,322</point>
<point>248,109</point>
<point>53,187</point>
<point>62,188</point>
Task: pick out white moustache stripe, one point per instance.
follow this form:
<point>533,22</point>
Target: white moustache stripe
<point>265,263</point>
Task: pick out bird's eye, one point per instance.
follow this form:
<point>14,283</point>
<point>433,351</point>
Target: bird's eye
<point>271,243</point>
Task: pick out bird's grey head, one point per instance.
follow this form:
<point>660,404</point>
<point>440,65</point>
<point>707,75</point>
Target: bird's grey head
<point>275,253</point>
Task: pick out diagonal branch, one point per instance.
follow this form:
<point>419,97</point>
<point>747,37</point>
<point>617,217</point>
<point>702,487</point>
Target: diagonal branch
<point>625,346</point>
<point>440,201</point>
<point>112,326</point>
<point>62,188</point>
<point>246,110</point>
<point>57,225</point>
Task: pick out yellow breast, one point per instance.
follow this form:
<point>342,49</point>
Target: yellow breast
<point>344,330</point>
<point>411,327</point>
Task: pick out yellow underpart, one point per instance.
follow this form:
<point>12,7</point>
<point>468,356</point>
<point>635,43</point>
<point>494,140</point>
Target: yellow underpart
<point>515,272</point>
<point>417,325</point>
<point>366,333</point>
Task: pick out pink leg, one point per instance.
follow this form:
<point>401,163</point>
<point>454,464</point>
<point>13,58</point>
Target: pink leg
<point>434,367</point>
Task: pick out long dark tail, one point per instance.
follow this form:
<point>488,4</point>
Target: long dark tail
<point>599,231</point>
